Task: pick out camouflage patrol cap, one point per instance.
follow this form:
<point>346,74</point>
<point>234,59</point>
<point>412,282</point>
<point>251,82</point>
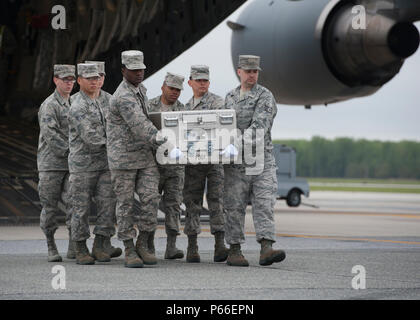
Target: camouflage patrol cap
<point>133,59</point>
<point>174,81</point>
<point>249,62</point>
<point>64,70</point>
<point>200,72</point>
<point>101,66</point>
<point>87,70</point>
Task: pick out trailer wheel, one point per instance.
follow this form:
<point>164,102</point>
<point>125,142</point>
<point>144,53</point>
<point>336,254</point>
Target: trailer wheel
<point>293,198</point>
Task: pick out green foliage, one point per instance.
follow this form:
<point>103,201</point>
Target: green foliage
<point>348,158</point>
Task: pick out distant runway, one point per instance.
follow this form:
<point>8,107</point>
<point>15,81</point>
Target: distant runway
<point>378,231</point>
<point>352,214</point>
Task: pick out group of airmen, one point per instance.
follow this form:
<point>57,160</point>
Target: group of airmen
<point>98,149</point>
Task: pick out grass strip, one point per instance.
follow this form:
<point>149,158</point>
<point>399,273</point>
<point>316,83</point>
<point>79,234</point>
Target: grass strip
<point>365,189</point>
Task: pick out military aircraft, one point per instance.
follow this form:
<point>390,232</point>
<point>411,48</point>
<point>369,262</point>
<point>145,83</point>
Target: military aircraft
<point>39,35</point>
<point>313,52</point>
<point>100,30</point>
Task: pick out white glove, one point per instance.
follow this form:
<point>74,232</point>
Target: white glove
<point>176,154</point>
<point>229,151</point>
<point>160,138</point>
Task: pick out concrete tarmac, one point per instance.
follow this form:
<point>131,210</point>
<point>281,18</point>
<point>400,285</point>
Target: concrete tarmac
<point>344,246</point>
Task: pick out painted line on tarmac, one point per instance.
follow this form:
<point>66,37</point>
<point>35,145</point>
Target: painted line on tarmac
<point>344,238</point>
<point>324,237</point>
<point>358,213</point>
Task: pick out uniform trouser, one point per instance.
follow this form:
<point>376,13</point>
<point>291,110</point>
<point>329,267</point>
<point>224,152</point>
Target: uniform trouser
<point>145,183</point>
<point>171,183</point>
<point>261,190</point>
<point>85,188</point>
<point>53,186</point>
<point>195,181</point>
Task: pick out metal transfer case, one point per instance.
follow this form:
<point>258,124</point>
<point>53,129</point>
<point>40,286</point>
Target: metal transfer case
<point>201,135</point>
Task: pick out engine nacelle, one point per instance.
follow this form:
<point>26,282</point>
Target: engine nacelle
<point>312,53</point>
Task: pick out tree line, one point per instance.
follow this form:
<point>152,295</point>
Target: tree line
<point>348,158</point>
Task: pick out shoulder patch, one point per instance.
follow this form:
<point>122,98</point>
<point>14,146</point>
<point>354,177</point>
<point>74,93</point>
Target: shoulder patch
<point>268,109</point>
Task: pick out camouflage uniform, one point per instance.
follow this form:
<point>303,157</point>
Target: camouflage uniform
<point>256,110</point>
<point>132,139</point>
<point>88,164</point>
<point>195,180</point>
<point>103,100</point>
<point>171,177</point>
<point>53,149</point>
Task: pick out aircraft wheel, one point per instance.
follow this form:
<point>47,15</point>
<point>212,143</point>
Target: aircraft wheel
<point>293,198</point>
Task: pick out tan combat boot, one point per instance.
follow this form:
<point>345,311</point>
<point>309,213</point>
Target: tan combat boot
<point>172,252</point>
<point>98,249</point>
<point>112,251</point>
<point>220,251</point>
<point>53,255</point>
<point>268,255</point>
<point>151,243</point>
<point>235,257</point>
<point>192,249</point>
<point>71,250</point>
<point>142,248</point>
<point>82,253</point>
<point>132,260</point>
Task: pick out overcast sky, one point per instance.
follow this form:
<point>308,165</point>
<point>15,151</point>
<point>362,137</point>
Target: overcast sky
<point>392,114</point>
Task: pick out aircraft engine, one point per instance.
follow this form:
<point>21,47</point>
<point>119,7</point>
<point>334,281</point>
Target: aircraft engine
<point>324,51</point>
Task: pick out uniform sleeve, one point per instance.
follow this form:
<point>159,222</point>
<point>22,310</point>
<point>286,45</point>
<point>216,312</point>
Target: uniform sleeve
<point>140,126</point>
<point>227,103</point>
<point>51,131</point>
<point>218,103</point>
<point>263,118</point>
<point>187,106</point>
<point>105,103</point>
<point>152,106</point>
<point>180,106</point>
